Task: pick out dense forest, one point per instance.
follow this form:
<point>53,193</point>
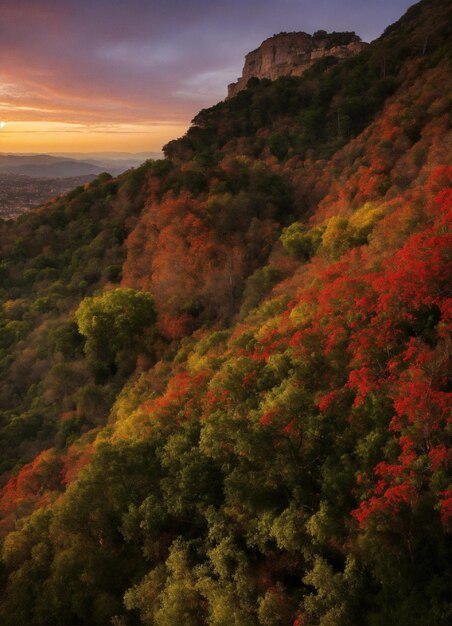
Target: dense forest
<point>224,393</point>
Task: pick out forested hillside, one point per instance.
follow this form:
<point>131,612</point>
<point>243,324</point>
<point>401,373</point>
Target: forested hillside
<point>224,393</point>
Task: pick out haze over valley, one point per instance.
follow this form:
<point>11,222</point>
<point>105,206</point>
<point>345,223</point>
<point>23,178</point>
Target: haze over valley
<point>29,180</point>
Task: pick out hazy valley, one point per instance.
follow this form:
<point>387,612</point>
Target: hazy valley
<point>26,181</point>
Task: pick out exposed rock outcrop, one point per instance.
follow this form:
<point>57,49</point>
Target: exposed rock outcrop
<point>291,54</point>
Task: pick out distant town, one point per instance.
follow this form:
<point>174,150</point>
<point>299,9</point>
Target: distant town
<point>29,180</point>
<point>19,194</point>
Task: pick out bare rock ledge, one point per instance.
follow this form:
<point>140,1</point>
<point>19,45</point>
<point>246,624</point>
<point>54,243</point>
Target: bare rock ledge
<point>291,54</point>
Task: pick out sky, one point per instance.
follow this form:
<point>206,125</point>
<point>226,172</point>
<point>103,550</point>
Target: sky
<point>129,75</point>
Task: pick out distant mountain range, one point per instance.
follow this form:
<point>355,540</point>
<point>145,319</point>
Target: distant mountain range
<point>62,165</point>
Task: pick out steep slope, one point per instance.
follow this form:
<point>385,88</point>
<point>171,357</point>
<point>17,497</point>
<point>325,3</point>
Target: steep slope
<point>225,396</point>
<point>51,259</point>
<point>273,154</point>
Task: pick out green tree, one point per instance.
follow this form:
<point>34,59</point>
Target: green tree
<point>117,320</point>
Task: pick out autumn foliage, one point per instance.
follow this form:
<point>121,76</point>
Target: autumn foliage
<point>225,376</point>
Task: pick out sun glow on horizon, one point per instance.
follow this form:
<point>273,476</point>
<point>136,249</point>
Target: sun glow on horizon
<point>41,136</point>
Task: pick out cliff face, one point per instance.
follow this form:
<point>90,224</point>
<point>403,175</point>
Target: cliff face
<point>291,54</point>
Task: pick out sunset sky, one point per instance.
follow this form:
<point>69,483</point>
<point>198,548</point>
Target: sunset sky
<point>87,75</point>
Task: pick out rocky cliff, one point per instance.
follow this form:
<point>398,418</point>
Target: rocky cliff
<point>291,54</point>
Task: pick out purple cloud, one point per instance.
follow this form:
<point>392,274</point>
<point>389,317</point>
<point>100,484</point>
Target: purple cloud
<point>147,61</point>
